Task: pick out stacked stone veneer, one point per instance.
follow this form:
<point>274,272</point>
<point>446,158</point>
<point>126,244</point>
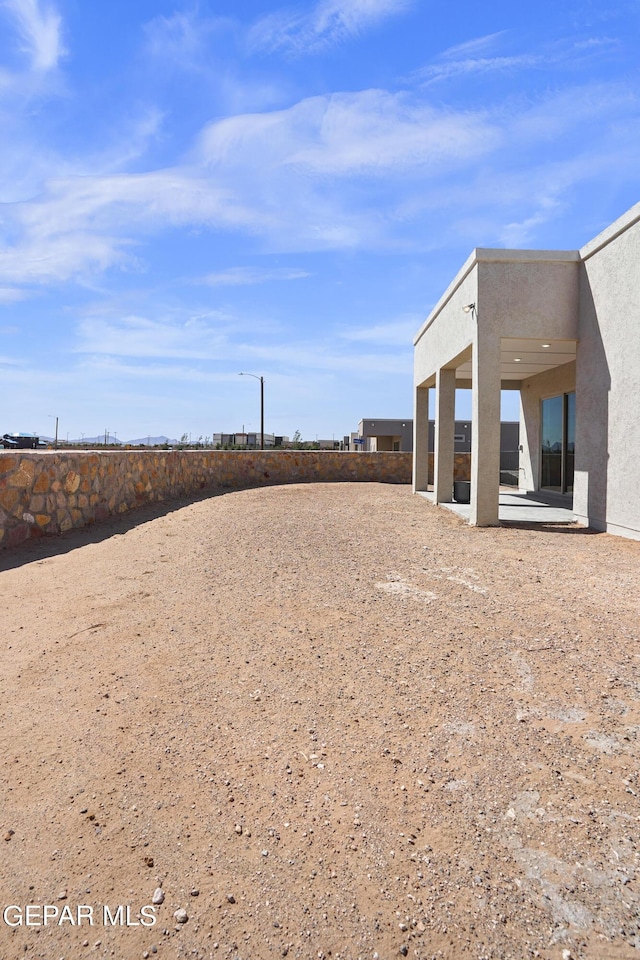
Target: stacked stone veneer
<point>461,467</point>
<point>49,493</point>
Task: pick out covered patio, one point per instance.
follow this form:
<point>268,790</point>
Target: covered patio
<point>508,321</point>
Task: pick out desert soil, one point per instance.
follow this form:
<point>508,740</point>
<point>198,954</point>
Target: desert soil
<point>326,721</point>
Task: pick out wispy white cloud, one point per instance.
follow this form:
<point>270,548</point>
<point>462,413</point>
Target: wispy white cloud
<point>259,173</point>
<point>329,22</point>
<point>11,294</point>
<point>193,47</point>
<point>301,362</point>
<point>43,258</point>
<point>458,68</point>
<point>132,141</point>
<point>111,344</point>
<point>184,38</point>
<point>85,224</point>
<point>136,336</point>
<point>337,19</point>
<point>568,109</point>
<point>332,172</point>
<point>40,28</point>
<point>351,134</point>
<point>110,367</point>
<point>397,333</point>
<point>485,55</point>
<point>250,276</point>
<point>596,43</point>
<point>477,46</point>
<point>518,234</point>
<point>478,55</point>
<point>318,355</point>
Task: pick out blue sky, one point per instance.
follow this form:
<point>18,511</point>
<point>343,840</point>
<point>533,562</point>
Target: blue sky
<point>188,190</point>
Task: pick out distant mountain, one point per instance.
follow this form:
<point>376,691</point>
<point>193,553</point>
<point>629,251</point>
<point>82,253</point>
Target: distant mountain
<point>152,442</point>
<point>97,441</point>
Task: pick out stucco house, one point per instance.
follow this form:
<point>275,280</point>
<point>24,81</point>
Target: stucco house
<point>385,434</point>
<point>397,435</point>
<point>562,328</point>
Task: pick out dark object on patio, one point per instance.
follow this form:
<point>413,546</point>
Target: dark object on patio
<point>462,491</point>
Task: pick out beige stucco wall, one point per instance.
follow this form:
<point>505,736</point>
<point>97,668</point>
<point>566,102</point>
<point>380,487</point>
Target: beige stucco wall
<point>529,294</point>
<point>607,478</point>
<point>449,331</point>
<point>49,493</point>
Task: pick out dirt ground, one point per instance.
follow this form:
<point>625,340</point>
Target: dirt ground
<point>325,721</point>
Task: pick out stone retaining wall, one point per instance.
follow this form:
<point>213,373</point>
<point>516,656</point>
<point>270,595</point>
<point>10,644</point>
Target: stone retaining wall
<point>461,467</point>
<point>48,493</point>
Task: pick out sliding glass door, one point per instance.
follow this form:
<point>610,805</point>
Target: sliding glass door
<point>558,443</point>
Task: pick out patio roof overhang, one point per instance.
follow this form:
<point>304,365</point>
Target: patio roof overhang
<point>527,299</point>
<point>520,359</point>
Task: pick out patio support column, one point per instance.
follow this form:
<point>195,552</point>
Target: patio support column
<point>485,433</point>
<point>421,440</point>
<point>444,440</point>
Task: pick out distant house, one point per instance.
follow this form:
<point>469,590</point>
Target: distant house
<point>249,440</point>
<point>381,434</point>
<point>563,329</point>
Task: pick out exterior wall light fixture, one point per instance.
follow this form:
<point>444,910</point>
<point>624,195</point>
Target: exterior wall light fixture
<point>468,307</point>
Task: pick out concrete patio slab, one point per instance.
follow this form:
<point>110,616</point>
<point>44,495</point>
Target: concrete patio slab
<point>514,507</point>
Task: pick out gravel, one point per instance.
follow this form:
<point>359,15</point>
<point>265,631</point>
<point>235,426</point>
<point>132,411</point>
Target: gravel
<point>430,729</point>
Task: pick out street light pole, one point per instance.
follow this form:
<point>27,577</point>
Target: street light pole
<point>261,379</point>
<point>55,443</point>
<point>262,413</point>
